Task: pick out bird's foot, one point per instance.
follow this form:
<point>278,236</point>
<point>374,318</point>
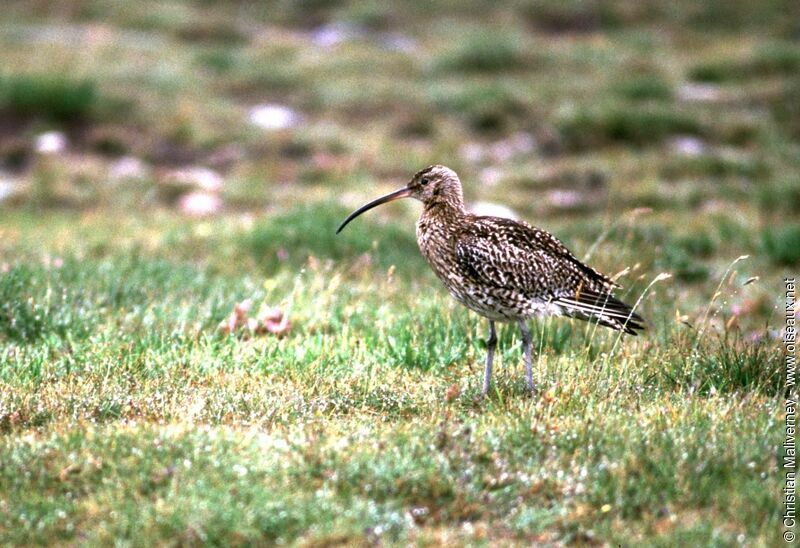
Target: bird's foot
<point>480,399</point>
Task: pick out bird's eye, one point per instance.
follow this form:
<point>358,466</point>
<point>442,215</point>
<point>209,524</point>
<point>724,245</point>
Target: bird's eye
<point>424,181</point>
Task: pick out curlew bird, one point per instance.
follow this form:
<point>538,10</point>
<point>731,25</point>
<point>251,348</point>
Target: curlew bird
<point>505,270</point>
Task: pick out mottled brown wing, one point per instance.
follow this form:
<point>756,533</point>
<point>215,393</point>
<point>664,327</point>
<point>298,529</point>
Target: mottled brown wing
<point>510,254</point>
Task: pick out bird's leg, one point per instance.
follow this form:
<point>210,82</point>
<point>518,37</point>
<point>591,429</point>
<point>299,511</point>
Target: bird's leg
<point>526,348</point>
<point>491,344</point>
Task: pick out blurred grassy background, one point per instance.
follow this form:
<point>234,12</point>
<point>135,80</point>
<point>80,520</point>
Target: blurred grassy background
<point>161,161</point>
<point>571,113</point>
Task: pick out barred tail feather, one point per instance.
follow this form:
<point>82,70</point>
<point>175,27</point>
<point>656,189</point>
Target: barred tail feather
<point>602,308</point>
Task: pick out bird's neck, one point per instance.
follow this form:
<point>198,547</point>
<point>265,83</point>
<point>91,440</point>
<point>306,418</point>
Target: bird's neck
<point>439,220</point>
<point>437,229</point>
<point>445,207</point>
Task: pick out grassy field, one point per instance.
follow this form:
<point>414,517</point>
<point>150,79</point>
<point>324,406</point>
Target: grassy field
<point>663,144</point>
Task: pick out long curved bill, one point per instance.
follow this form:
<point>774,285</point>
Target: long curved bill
<point>396,195</point>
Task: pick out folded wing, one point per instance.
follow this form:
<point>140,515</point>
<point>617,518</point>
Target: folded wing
<point>506,254</point>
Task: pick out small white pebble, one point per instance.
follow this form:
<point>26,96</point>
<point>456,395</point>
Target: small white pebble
<point>51,142</point>
<point>332,34</point>
<point>8,187</point>
<point>273,117</point>
<point>699,92</point>
<point>688,146</point>
<point>199,204</point>
<point>128,167</point>
<point>564,198</point>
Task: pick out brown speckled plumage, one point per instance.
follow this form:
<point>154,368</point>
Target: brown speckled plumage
<point>505,270</point>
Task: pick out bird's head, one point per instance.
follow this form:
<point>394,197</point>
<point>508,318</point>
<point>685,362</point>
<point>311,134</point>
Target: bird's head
<point>434,185</point>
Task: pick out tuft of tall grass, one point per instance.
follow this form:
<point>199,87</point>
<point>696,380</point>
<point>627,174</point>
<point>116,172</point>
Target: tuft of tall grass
<point>613,123</point>
<point>682,264</point>
<point>54,98</point>
<point>485,52</point>
<point>775,59</point>
<point>782,244</point>
<point>726,365</point>
<point>484,107</point>
<point>644,88</point>
<point>713,165</point>
<point>221,60</point>
<point>785,107</point>
<point>783,196</point>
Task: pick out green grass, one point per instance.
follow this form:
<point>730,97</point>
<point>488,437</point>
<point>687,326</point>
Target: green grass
<point>645,88</point>
<point>128,417</point>
<point>125,413</point>
<point>483,52</point>
<point>608,124</point>
<point>782,58</point>
<point>51,98</point>
<point>782,245</point>
<point>486,108</point>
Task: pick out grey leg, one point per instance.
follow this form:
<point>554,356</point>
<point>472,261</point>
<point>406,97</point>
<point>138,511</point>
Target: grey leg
<point>526,348</point>
<point>491,344</point>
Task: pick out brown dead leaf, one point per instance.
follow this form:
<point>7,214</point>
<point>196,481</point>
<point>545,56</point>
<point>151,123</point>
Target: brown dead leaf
<point>453,391</point>
<point>68,471</point>
<point>268,320</point>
